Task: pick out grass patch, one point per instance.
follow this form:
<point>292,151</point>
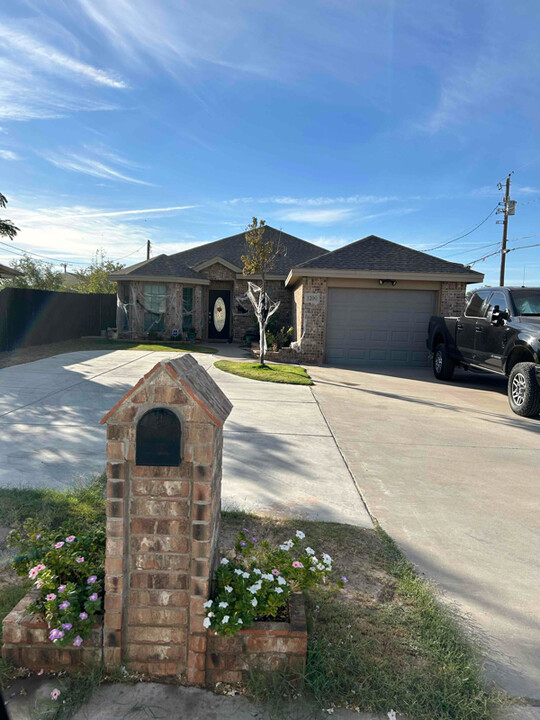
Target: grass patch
<point>288,374</point>
<point>39,352</point>
<point>383,642</point>
<point>82,506</point>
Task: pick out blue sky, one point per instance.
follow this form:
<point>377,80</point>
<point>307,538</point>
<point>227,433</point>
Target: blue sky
<point>332,119</point>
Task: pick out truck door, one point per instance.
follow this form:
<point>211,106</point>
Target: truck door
<point>466,328</point>
<point>491,339</point>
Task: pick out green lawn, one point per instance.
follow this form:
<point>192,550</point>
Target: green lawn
<point>288,374</point>
<point>38,352</point>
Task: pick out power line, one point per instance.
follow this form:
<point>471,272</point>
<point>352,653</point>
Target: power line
<point>477,247</point>
<point>131,253</point>
<point>436,247</point>
<point>508,250</point>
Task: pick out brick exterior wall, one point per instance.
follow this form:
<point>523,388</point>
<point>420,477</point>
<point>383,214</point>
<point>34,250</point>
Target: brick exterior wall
<point>452,299</point>
<point>265,646</point>
<point>27,644</point>
<point>314,319</point>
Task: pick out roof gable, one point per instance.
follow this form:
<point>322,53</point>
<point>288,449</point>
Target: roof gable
<point>374,253</point>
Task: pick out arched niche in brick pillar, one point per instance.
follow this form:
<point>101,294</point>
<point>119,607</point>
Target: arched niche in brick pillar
<point>164,457</point>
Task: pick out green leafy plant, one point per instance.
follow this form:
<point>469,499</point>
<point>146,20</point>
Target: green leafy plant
<point>257,581</point>
<point>68,573</point>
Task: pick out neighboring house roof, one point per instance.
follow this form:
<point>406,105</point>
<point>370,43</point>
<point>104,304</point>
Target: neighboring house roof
<point>183,264</point>
<point>70,279</point>
<point>373,254</point>
<point>8,272</point>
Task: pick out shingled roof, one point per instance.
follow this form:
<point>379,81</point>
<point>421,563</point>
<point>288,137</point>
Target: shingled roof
<point>373,253</point>
<point>230,249</point>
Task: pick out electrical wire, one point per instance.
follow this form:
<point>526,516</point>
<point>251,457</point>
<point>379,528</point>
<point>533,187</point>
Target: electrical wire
<point>478,247</point>
<point>131,253</point>
<point>436,247</point>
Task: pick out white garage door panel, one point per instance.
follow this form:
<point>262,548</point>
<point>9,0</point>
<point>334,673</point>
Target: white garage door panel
<point>368,327</point>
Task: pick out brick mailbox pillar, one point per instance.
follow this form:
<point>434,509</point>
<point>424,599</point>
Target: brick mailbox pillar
<point>164,452</point>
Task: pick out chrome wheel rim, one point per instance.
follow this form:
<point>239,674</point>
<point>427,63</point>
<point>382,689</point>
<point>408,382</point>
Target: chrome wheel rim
<point>438,361</point>
<point>518,389</point>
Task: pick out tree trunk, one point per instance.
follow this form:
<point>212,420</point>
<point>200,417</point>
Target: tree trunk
<point>262,321</point>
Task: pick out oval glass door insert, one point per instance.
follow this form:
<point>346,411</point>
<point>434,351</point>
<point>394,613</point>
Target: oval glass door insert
<point>220,314</point>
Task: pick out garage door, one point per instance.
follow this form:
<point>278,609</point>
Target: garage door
<point>369,327</point>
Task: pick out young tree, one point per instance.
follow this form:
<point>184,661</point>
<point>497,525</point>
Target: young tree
<point>36,274</point>
<point>94,279</point>
<point>7,228</point>
<point>259,259</point>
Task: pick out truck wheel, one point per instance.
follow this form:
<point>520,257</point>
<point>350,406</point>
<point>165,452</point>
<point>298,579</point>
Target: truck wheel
<point>524,390</point>
<point>443,365</point>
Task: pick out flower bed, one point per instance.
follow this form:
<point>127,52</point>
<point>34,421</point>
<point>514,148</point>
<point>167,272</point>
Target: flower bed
<point>265,646</point>
<point>27,642</point>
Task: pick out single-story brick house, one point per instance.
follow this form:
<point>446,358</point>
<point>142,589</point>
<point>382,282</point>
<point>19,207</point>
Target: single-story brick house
<point>367,302</point>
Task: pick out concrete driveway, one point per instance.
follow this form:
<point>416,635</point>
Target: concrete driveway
<point>453,476</point>
<point>279,454</point>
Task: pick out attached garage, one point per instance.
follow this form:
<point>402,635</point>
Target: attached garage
<point>369,303</point>
<point>371,327</point>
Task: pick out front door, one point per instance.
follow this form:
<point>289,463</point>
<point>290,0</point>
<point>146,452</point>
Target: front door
<point>219,314</point>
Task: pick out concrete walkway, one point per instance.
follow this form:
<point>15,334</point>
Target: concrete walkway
<point>279,454</point>
<point>452,475</point>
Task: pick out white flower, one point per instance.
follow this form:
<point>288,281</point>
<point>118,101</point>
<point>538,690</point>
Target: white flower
<point>254,602</point>
<point>211,614</point>
<point>228,588</point>
<point>287,545</point>
<point>253,589</point>
<point>224,561</point>
<point>313,569</point>
<point>206,622</point>
<point>223,604</point>
<point>240,621</point>
<point>320,566</point>
<point>278,590</point>
<point>310,551</point>
<point>314,560</point>
<point>327,559</point>
<point>268,576</point>
<point>281,580</point>
<point>300,534</point>
<point>245,575</point>
<point>238,571</point>
<point>225,619</point>
<point>207,604</point>
<point>257,571</point>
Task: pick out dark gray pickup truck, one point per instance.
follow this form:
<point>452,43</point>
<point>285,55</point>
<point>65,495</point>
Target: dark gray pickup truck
<point>498,332</point>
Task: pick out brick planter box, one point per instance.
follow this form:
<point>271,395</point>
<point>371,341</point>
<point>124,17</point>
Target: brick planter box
<point>27,644</point>
<point>284,355</point>
<point>265,645</point>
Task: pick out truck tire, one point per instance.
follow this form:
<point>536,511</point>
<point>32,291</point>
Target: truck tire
<point>524,390</point>
<point>443,364</point>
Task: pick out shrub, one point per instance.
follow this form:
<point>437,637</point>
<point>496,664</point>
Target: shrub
<point>258,579</point>
<point>277,338</point>
<point>68,573</point>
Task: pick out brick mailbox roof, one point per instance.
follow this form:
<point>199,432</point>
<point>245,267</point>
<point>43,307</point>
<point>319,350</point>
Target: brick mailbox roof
<point>194,380</point>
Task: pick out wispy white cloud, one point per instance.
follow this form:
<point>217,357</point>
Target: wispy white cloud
<point>314,201</point>
<point>396,211</point>
<point>323,217</point>
<point>94,166</point>
<point>51,60</point>
<point>8,155</point>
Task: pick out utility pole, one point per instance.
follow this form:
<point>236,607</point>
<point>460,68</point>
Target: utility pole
<point>508,208</point>
<point>148,243</point>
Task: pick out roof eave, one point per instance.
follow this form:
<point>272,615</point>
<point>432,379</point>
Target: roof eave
<point>466,277</point>
<point>115,277</point>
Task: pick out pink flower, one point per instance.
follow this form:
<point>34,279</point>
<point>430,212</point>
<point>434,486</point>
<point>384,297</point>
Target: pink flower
<point>297,564</point>
<point>80,559</point>
<point>59,545</point>
<point>39,584</point>
<point>83,615</point>
<point>67,626</point>
<point>93,597</point>
<point>275,572</point>
<point>61,588</point>
<point>54,634</point>
<point>55,694</point>
<point>64,605</point>
<point>92,579</point>
<point>33,573</point>
<point>41,671</point>
<point>71,538</point>
<point>78,641</point>
<point>50,596</point>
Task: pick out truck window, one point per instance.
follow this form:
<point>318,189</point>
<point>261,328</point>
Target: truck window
<point>498,298</point>
<point>527,301</point>
<point>476,308</point>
